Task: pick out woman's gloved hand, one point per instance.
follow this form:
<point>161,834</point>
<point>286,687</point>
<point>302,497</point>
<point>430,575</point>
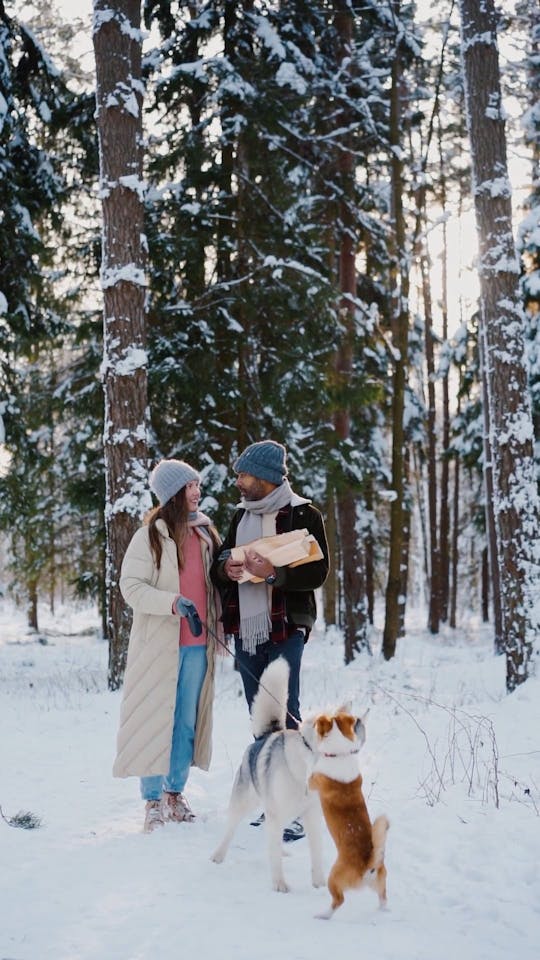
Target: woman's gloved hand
<point>186,608</point>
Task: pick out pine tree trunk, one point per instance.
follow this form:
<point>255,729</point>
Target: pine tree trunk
<point>249,407</point>
<point>515,502</point>
<point>394,612</point>
<point>195,279</point>
<point>228,265</point>
<point>330,589</point>
<point>405,546</point>
<point>224,252</point>
<point>531,281</point>
<point>444,513</point>
<point>249,348</point>
<point>419,487</point>
<point>117,46</point>
<point>444,516</point>
<point>485,585</point>
<point>455,545</point>
<point>370,562</point>
<point>352,554</point>
<point>32,606</point>
<point>491,532</point>
<point>434,616</point>
<point>530,239</point>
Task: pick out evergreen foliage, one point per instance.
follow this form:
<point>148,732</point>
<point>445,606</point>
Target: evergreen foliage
<point>244,322</point>
<point>43,135</point>
<point>266,147</point>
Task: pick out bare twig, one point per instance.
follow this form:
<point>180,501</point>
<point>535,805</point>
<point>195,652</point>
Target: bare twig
<point>465,756</point>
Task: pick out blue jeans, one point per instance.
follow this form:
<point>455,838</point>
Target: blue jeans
<point>191,674</point>
<point>291,649</point>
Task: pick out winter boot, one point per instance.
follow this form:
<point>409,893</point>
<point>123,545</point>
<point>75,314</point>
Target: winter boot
<point>176,808</point>
<point>154,815</point>
<point>295,831</point>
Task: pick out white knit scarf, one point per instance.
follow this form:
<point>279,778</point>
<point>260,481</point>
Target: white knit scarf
<point>255,599</point>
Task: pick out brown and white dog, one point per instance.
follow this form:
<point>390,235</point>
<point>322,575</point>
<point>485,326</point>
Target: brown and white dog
<point>359,843</point>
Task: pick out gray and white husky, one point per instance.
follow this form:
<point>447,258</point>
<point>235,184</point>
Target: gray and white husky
<point>274,773</point>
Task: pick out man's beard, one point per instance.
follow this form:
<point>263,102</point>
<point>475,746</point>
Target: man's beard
<point>256,492</point>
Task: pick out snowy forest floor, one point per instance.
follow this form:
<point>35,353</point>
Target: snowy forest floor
<point>450,758</point>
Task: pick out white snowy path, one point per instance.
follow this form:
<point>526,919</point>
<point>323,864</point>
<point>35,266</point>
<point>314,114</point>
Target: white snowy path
<point>444,741</point>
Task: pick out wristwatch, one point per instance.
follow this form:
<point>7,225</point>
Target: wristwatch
<point>271,578</point>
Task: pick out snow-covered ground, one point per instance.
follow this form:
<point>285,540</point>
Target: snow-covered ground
<point>452,760</point>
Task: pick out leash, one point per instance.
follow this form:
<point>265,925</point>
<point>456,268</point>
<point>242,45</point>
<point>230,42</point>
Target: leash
<point>243,668</point>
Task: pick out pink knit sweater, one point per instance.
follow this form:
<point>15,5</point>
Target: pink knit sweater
<point>193,586</point>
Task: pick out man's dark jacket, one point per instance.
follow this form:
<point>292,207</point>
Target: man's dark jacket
<point>296,585</point>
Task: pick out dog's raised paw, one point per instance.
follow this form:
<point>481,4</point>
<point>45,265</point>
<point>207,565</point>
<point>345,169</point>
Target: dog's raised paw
<point>218,856</point>
<point>318,881</point>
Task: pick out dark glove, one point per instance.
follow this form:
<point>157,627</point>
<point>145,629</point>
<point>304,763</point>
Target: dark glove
<point>186,608</point>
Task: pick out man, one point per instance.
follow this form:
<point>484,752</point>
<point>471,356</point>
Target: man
<point>273,618</point>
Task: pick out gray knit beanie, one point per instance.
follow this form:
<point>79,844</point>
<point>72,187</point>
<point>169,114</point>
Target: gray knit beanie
<point>266,460</point>
<point>169,476</point>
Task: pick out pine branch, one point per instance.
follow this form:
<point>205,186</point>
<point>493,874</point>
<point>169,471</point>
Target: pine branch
<point>23,819</point>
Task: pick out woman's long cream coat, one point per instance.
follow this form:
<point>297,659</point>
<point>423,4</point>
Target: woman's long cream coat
<point>149,691</point>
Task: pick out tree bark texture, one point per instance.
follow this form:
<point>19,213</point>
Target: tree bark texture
<point>531,9</point>
<point>394,601</point>
<point>117,46</point>
<point>453,586</point>
<point>491,529</point>
<point>405,543</point>
<point>434,615</point>
<point>352,554</point>
<point>369,551</point>
<point>330,589</point>
<point>444,522</point>
<point>250,346</point>
<point>485,585</point>
<point>514,502</point>
<point>32,607</point>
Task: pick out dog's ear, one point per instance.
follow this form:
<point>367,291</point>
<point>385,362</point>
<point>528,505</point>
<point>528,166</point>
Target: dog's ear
<point>323,724</point>
<point>346,725</point>
<point>360,728</point>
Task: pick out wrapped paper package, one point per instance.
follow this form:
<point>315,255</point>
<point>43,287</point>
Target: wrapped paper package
<point>282,550</point>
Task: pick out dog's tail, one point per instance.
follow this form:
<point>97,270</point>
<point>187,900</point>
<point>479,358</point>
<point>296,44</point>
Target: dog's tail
<point>269,708</point>
<point>378,835</point>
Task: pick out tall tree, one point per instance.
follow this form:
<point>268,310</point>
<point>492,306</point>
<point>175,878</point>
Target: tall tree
<point>399,514</point>
<point>352,553</point>
<point>444,538</point>
<point>529,231</point>
<point>38,130</point>
<point>118,48</point>
<point>514,502</point>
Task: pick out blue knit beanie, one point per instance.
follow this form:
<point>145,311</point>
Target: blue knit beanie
<point>169,476</point>
<point>266,460</point>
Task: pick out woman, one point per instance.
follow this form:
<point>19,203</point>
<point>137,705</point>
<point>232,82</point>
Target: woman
<point>166,712</point>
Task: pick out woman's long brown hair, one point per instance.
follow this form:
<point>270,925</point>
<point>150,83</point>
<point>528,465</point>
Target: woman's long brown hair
<point>175,513</point>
